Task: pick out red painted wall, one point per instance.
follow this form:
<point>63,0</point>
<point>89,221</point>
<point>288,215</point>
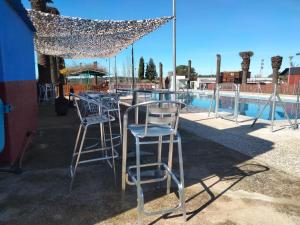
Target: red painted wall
<point>22,96</point>
<point>294,79</point>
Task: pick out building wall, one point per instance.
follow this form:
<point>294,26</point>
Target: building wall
<point>17,81</point>
<point>294,79</point>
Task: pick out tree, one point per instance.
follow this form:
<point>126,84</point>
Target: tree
<point>183,70</point>
<point>141,72</point>
<point>44,61</point>
<point>151,73</point>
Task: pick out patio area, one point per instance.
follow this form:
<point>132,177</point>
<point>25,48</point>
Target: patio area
<point>223,186</point>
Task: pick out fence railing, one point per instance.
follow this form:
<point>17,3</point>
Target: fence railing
<point>262,88</point>
<point>104,87</point>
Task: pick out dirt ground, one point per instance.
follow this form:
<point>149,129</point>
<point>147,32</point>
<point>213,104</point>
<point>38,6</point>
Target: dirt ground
<point>223,187</point>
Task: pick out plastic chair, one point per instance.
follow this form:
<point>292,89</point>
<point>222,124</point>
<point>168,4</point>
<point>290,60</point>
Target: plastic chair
<point>46,92</point>
<point>90,113</point>
<point>161,121</point>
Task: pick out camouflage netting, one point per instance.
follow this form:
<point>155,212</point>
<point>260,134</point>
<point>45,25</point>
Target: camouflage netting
<point>72,37</point>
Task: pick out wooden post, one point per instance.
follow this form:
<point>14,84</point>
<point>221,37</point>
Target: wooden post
<point>52,68</point>
<point>189,74</point>
<point>161,86</point>
<point>218,71</point>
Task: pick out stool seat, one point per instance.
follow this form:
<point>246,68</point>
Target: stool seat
<point>95,119</point>
<point>152,130</point>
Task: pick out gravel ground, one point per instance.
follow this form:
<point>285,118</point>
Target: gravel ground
<point>278,149</point>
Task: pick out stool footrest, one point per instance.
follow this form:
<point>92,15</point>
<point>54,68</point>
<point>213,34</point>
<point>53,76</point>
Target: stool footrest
<point>154,180</point>
<point>98,159</point>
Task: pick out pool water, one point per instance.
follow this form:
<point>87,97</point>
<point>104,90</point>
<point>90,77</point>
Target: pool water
<point>247,107</point>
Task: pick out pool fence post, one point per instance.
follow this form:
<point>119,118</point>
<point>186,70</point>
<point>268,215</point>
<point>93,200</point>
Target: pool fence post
<point>236,102</point>
<point>218,78</point>
<point>215,98</point>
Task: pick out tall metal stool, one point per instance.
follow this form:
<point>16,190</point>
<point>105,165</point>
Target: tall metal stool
<point>90,113</point>
<point>112,102</point>
<point>161,121</point>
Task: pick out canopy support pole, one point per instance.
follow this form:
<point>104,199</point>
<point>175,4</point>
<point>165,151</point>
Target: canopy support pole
<point>132,65</point>
<point>109,84</point>
<point>174,47</point>
<point>116,78</point>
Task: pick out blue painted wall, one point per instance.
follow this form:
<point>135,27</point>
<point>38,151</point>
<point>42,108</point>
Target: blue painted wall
<point>16,46</point>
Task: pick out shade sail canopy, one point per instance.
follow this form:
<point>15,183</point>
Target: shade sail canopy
<point>71,37</point>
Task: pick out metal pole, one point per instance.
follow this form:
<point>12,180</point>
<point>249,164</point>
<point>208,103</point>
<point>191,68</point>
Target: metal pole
<point>273,107</point>
<point>217,96</point>
<point>116,78</point>
<point>132,65</point>
<point>291,64</point>
<point>109,75</point>
<point>236,101</point>
<point>174,47</point>
<point>297,106</point>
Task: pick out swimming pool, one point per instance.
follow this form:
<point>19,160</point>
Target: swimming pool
<point>249,105</point>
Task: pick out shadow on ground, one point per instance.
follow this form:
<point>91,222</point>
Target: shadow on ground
<point>40,195</point>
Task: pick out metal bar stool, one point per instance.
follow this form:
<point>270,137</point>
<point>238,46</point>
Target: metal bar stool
<point>90,113</point>
<point>112,102</point>
<point>161,121</point>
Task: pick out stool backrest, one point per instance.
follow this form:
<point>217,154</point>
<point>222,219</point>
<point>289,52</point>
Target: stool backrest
<point>163,113</point>
<point>111,101</point>
<point>86,107</point>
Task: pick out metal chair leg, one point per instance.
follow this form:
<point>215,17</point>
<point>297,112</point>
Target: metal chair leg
<point>181,189</point>
<point>112,153</point>
<point>75,148</point>
<point>78,157</point>
<point>138,183</point>
<point>170,163</point>
<point>124,153</point>
<point>120,121</point>
<point>159,149</point>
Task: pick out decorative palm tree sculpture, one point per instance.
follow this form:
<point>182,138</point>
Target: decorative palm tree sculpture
<point>276,64</point>
<point>245,64</point>
<point>274,99</point>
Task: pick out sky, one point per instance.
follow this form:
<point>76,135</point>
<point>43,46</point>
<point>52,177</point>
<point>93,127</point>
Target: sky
<point>204,28</point>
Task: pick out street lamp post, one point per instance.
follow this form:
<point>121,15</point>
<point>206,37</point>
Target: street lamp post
<point>291,65</point>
